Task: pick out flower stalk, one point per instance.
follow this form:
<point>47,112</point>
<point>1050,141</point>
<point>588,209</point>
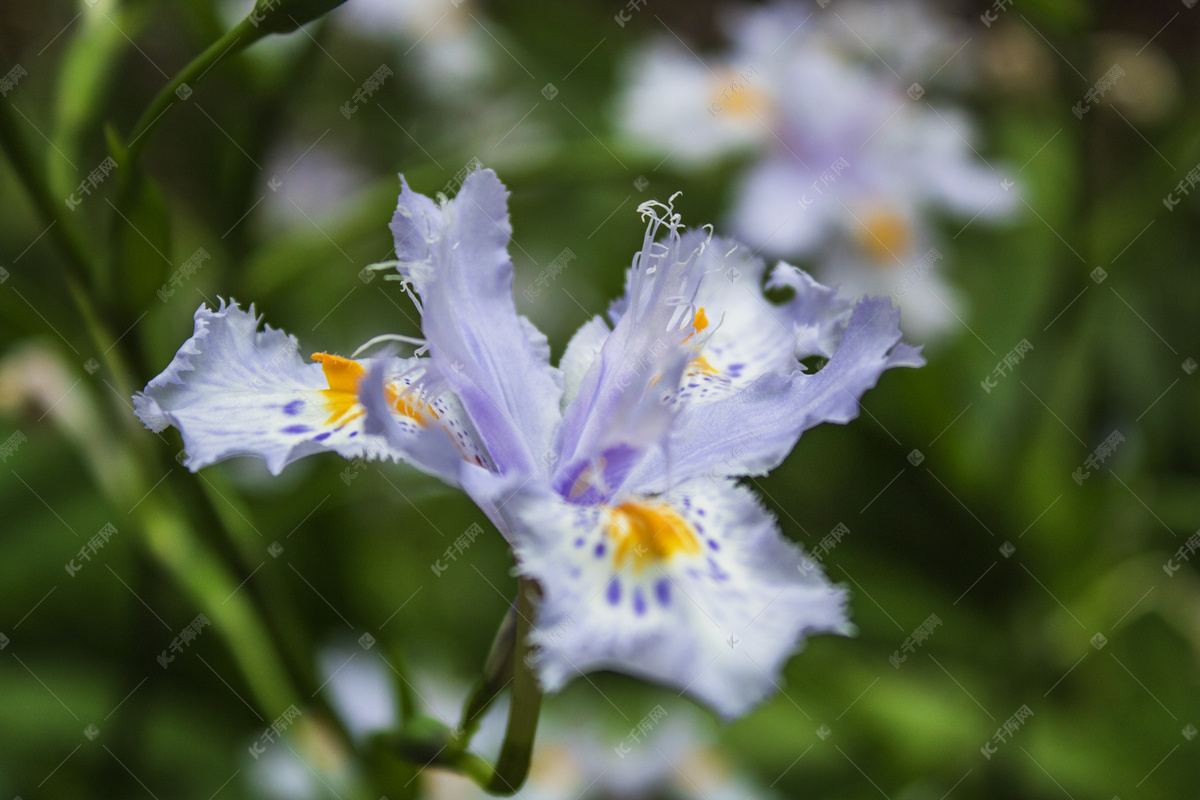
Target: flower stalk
<point>512,766</point>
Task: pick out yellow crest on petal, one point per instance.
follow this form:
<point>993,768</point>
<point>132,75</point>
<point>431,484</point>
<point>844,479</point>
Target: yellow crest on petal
<point>341,398</point>
<point>649,533</point>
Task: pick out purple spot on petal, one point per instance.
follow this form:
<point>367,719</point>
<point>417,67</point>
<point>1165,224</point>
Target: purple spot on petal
<point>614,591</point>
<point>662,590</point>
<point>716,571</point>
<point>600,550</point>
<point>297,429</point>
<point>579,542</point>
<point>293,408</point>
<point>352,434</point>
<point>320,437</point>
<point>639,602</point>
<point>713,544</point>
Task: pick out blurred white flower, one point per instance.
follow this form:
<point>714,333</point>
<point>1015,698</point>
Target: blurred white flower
<point>851,160</point>
<point>906,37</point>
<point>452,51</point>
<point>576,756</point>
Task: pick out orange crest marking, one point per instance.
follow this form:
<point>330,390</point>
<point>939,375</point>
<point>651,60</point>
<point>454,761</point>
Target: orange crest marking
<point>341,398</point>
<point>649,533</point>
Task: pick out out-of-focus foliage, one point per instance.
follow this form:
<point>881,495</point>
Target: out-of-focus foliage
<point>1057,584</point>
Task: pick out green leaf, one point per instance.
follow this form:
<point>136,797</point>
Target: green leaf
<point>86,76</point>
<point>142,243</point>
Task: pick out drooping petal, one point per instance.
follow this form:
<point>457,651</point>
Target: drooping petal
<point>750,432</point>
<point>695,589</point>
<point>741,334</point>
<point>455,255</point>
<point>236,390</point>
<point>815,313</point>
<point>740,364</point>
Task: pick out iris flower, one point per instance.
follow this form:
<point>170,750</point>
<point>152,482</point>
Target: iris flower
<point>612,476</point>
<point>848,162</point>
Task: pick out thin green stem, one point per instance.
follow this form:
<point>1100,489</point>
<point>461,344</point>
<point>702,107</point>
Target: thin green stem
<point>80,263</point>
<point>26,166</point>
<point>237,38</point>
<point>129,154</point>
<point>512,766</point>
<point>497,674</point>
<point>427,742</point>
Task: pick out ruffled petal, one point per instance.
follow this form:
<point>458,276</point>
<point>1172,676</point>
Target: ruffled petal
<point>752,431</point>
<point>632,426</point>
<point>695,589</point>
<point>235,390</point>
<point>455,255</point>
<point>930,306</point>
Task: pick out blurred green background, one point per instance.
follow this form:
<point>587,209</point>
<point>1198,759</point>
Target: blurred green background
<point>1053,594</point>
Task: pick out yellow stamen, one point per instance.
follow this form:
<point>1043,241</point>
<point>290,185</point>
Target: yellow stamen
<point>649,533</point>
<point>699,365</point>
<point>341,398</point>
<point>885,236</point>
<point>699,323</point>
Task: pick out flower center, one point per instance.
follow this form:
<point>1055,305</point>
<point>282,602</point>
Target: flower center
<point>885,235</point>
<point>649,533</point>
<point>737,97</point>
<point>341,398</point>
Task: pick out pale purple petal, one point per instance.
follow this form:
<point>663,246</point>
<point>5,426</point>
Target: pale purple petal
<point>455,255</point>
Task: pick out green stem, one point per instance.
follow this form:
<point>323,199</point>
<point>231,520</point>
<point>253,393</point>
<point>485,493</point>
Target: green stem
<point>497,674</point>
<point>512,766</point>
<point>128,155</point>
<point>122,478</point>
<point>80,262</point>
<point>427,742</point>
<point>19,152</point>
<point>110,354</point>
<point>237,38</point>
